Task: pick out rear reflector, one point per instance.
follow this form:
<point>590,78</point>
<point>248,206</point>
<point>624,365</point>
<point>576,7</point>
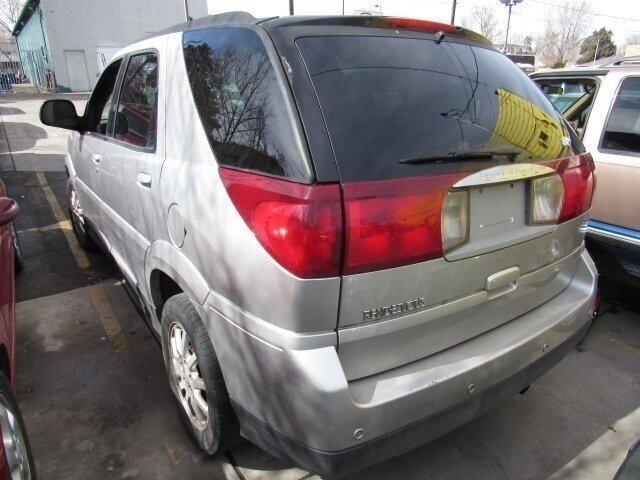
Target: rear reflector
<point>299,225</point>
<point>390,223</point>
<point>577,175</point>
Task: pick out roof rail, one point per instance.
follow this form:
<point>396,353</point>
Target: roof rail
<point>623,62</point>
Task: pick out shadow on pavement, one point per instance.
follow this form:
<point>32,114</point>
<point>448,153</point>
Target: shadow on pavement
<point>11,111</point>
<point>21,136</point>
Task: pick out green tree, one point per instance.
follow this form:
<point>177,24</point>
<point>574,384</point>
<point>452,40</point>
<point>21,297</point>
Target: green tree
<point>600,40</point>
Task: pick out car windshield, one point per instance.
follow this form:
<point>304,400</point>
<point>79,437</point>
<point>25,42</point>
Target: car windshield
<point>388,99</point>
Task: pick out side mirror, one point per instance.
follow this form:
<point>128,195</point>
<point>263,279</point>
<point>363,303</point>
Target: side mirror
<point>122,124</point>
<point>9,210</point>
<point>60,113</point>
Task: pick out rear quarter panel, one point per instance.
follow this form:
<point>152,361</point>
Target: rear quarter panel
<point>218,242</point>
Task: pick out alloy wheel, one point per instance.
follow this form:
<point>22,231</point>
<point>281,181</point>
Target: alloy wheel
<point>15,446</point>
<point>187,378</point>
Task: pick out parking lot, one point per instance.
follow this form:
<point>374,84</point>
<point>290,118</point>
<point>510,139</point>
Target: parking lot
<point>96,403</point>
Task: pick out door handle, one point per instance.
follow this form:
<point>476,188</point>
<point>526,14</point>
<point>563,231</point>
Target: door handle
<point>96,158</point>
<point>144,179</point>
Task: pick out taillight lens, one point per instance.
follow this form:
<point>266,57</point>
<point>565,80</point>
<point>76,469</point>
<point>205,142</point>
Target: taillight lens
<point>455,219</point>
<point>416,24</point>
<point>390,223</point>
<point>547,195</point>
<point>577,175</point>
<point>299,225</point>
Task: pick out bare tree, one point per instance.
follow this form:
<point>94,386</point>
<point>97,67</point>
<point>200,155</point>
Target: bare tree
<point>564,30</point>
<point>9,13</point>
<point>522,41</point>
<point>484,20</point>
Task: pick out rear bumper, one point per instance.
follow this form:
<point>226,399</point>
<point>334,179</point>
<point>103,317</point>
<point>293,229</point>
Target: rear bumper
<point>293,398</point>
<point>406,438</point>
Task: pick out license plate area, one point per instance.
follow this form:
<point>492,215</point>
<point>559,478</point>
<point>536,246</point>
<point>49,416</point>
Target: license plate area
<point>497,219</point>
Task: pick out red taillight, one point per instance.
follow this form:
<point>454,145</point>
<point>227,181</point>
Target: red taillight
<point>577,175</point>
<point>299,225</point>
<point>390,223</point>
<point>419,25</point>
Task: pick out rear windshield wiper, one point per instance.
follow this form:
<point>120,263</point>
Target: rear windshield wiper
<point>478,155</point>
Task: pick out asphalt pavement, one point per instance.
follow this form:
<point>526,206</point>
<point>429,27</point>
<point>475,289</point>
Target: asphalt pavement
<point>97,405</point>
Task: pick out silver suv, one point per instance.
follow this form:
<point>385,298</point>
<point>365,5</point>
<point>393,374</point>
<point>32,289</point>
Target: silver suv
<point>351,234</point>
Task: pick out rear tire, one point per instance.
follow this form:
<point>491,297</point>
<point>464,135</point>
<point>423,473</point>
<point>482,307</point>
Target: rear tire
<point>191,362</point>
<point>14,436</point>
<point>78,222</point>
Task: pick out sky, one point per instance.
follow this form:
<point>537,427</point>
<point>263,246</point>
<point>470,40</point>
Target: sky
<point>527,18</point>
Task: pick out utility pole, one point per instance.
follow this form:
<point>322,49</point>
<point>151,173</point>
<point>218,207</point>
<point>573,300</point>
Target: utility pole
<point>342,7</point>
<point>595,55</point>
<point>508,3</point>
<point>506,37</point>
<point>453,12</point>
<point>290,7</point>
<point>186,10</point>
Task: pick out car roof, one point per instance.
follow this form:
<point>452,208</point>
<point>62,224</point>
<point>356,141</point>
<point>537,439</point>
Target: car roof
<point>245,19</point>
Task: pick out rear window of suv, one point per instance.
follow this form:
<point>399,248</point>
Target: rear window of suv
<point>389,101</point>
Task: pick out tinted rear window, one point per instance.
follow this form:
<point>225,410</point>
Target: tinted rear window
<point>240,102</point>
<point>386,100</point>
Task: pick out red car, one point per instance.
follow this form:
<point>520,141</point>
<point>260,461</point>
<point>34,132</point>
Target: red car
<point>16,461</point>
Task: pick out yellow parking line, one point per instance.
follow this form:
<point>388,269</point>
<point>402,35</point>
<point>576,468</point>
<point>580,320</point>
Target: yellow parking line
<point>58,213</point>
<point>172,454</point>
<point>108,319</point>
<point>106,316</point>
<point>65,225</point>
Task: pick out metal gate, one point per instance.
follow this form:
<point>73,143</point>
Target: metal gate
<point>32,74</point>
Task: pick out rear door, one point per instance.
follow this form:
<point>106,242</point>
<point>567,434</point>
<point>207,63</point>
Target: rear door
<point>417,128</point>
<point>615,141</point>
<point>136,156</point>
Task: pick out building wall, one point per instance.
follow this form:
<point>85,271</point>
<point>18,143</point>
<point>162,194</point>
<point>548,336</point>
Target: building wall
<point>31,36</point>
<point>632,50</point>
<point>34,52</point>
<point>83,33</point>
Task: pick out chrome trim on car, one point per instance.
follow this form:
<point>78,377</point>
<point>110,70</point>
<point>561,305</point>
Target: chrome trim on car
<point>613,237</point>
<point>504,174</point>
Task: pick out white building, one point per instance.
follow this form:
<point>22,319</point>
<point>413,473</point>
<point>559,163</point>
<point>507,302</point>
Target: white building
<point>68,42</point>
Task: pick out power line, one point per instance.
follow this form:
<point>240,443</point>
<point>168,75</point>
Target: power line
<point>587,13</point>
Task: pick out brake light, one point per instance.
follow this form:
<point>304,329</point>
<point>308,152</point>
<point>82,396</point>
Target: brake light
<point>299,225</point>
<point>415,24</point>
<point>390,223</point>
<point>577,175</point>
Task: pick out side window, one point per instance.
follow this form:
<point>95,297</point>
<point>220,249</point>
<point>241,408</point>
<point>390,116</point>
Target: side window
<point>622,130</point>
<point>99,108</point>
<point>138,103</point>
<point>240,103</point>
